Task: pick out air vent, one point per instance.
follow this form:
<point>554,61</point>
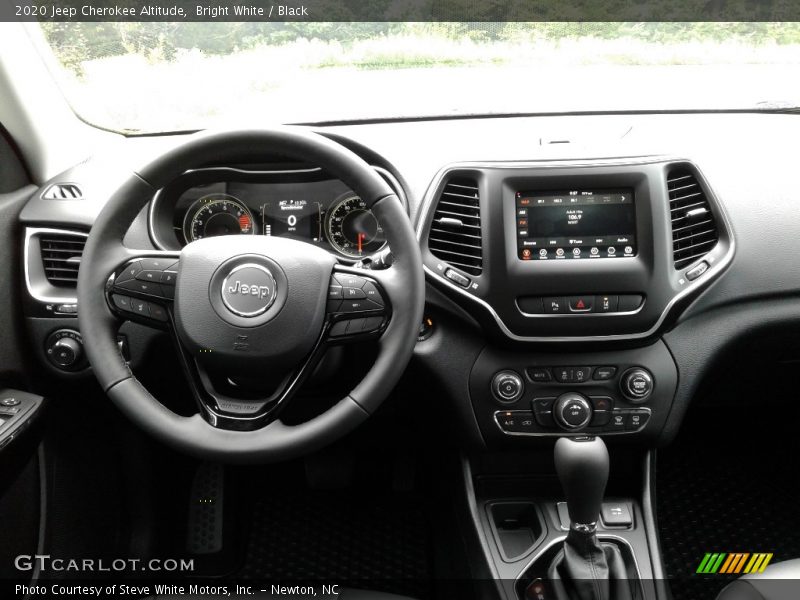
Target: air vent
<point>61,257</point>
<point>694,231</point>
<point>455,234</point>
<point>63,191</point>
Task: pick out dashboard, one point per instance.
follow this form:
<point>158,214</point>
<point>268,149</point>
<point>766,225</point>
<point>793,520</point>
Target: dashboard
<point>299,203</point>
<point>573,268</point>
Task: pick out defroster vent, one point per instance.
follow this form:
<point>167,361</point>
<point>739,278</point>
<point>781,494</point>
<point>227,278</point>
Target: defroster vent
<point>61,257</point>
<point>455,234</point>
<point>694,230</point>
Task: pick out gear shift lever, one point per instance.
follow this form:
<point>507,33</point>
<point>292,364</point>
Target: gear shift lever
<point>582,468</point>
<point>586,568</point>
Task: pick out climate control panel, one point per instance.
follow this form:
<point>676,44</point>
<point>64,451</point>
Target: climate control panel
<point>624,392</point>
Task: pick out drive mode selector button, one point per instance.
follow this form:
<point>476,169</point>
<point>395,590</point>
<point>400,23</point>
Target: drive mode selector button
<point>637,384</point>
<point>507,386</point>
<point>572,411</point>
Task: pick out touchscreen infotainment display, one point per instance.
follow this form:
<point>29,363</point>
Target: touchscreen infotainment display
<point>575,224</point>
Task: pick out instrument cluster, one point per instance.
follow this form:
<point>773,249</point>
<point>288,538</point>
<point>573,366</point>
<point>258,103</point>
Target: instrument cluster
<point>307,207</point>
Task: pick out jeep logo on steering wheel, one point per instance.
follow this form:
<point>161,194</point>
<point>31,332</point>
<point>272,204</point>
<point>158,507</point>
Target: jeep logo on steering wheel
<point>248,290</point>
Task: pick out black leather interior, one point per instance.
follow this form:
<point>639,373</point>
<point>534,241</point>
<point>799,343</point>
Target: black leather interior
<point>777,582</point>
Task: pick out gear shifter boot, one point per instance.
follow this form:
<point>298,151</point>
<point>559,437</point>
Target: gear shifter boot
<point>589,570</point>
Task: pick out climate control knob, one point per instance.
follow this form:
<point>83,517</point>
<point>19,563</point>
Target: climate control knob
<point>572,411</point>
<point>507,387</point>
<point>636,384</point>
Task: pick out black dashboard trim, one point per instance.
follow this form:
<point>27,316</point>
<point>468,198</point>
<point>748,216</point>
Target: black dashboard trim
<point>719,266</point>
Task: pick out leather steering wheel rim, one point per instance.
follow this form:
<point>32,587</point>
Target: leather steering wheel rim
<point>104,251</point>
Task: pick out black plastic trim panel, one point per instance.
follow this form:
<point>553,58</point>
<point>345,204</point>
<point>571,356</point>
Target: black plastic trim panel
<point>492,296</point>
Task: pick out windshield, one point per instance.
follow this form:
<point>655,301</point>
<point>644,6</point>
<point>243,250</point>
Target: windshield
<point>158,77</point>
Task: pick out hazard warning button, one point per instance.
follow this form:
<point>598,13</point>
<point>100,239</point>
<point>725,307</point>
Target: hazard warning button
<point>580,303</point>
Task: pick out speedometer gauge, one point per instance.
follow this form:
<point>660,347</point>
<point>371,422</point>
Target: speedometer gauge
<point>217,214</point>
<point>352,229</point>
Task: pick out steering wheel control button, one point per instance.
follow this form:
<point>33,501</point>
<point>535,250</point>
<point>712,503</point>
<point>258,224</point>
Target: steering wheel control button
<point>507,387</point>
<point>352,281</point>
<point>157,264</point>
<point>129,272</point>
<point>140,307</point>
<point>604,373</point>
<point>572,411</point>
<point>248,290</point>
<point>159,313</point>
<point>372,294</point>
<point>335,292</point>
<point>352,293</point>
<point>152,276</point>
<point>457,277</point>
<point>637,384</point>
<point>580,304</point>
<point>168,278</point>
<point>143,287</point>
<point>121,302</point>
<point>539,374</point>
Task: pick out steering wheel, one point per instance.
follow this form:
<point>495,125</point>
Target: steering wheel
<point>249,305</point>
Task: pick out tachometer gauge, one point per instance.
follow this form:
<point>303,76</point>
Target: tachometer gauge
<point>352,229</point>
<point>217,214</point>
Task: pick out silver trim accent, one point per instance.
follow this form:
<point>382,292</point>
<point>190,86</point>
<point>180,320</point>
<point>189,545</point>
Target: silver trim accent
<point>254,313</point>
<point>387,175</point>
<point>30,232</point>
<point>712,273</point>
<point>568,433</point>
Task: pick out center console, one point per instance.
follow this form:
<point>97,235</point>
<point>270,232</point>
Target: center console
<point>573,269</point>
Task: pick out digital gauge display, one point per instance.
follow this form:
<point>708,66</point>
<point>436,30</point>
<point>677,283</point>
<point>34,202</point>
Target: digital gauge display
<point>298,219</point>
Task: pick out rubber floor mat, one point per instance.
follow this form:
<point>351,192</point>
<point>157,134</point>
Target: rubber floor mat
<point>375,542</point>
<point>725,494</point>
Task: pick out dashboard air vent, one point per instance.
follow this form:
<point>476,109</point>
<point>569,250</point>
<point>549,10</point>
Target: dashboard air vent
<point>694,231</point>
<point>455,234</point>
<point>63,191</point>
<point>61,257</point>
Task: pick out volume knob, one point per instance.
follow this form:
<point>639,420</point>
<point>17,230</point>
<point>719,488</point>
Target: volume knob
<point>507,386</point>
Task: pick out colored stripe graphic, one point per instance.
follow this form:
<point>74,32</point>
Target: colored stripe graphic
<point>734,562</point>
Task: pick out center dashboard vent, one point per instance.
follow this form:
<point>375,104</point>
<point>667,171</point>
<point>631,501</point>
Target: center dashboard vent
<point>694,230</point>
<point>61,257</point>
<point>455,234</point>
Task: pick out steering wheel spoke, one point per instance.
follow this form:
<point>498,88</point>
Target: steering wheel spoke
<point>142,287</point>
<point>225,411</point>
<point>358,306</point>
